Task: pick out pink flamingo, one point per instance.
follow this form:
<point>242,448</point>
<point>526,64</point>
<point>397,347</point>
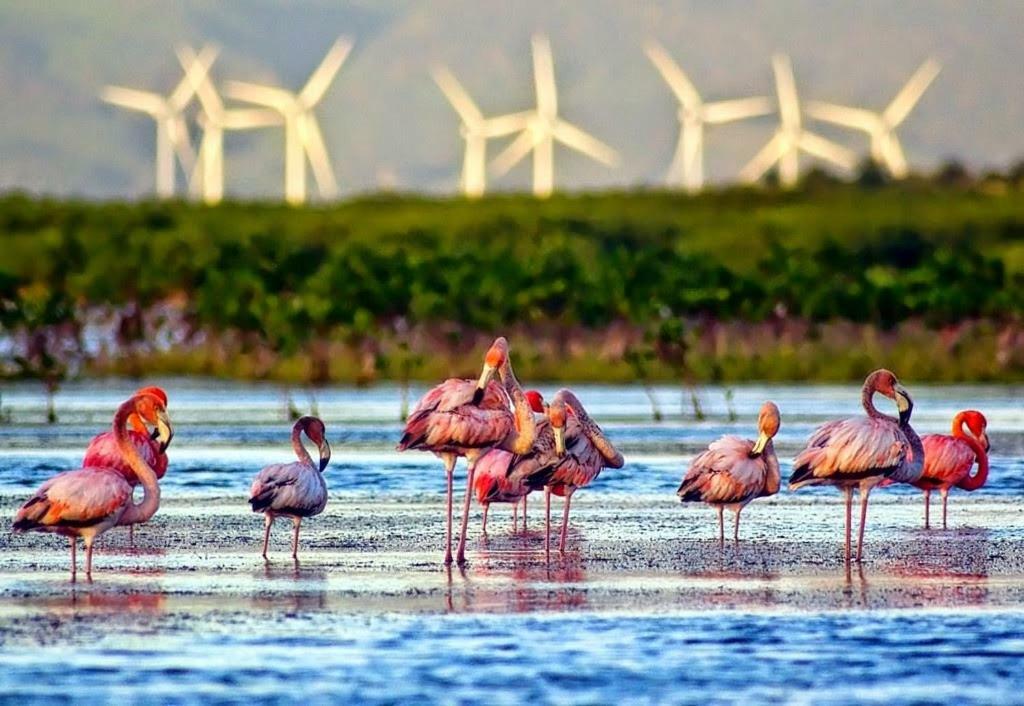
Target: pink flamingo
<point>582,450</point>
<point>103,451</point>
<point>504,477</point>
<point>948,459</point>
<point>468,418</point>
<point>295,489</point>
<point>734,471</point>
<point>89,501</point>
<point>862,451</point>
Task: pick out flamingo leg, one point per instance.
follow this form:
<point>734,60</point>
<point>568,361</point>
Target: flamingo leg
<point>460,557</point>
<point>487,508</point>
<point>736,529</point>
<point>268,520</point>
<point>848,492</point>
<point>945,496</point>
<point>449,468</point>
<point>88,557</point>
<point>927,508</point>
<point>524,513</point>
<point>297,521</point>
<point>864,493</point>
<point>547,521</point>
<point>131,535</point>
<point>721,524</point>
<point>74,562</point>
<point>565,519</point>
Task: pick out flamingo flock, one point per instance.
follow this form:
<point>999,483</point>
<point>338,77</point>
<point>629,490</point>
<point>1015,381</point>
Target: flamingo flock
<point>515,443</point>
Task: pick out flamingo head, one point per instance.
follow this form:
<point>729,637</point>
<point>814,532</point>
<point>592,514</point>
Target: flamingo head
<point>536,401</point>
<point>977,424</point>
<point>767,426</point>
<point>558,411</point>
<point>136,422</point>
<point>496,356</point>
<point>317,433</point>
<point>151,410</point>
<point>888,384</point>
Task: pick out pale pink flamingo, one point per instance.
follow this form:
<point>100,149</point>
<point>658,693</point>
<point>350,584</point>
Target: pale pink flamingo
<point>504,477</point>
<point>582,450</point>
<point>103,451</point>
<point>89,501</point>
<point>295,489</point>
<point>733,471</point>
<point>467,418</point>
<point>860,452</point>
<point>948,460</point>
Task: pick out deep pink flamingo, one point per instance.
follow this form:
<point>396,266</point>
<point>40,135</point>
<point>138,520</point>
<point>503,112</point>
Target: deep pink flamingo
<point>733,471</point>
<point>467,418</point>
<point>860,452</point>
<point>948,460</point>
<point>294,490</point>
<point>103,451</point>
<point>582,450</point>
<point>89,501</point>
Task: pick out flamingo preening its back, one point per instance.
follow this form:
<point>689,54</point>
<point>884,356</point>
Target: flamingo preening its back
<point>861,452</point>
<point>468,418</point>
<point>948,459</point>
<point>582,450</point>
<point>103,450</point>
<point>295,489</point>
<point>733,471</point>
<point>89,501</point>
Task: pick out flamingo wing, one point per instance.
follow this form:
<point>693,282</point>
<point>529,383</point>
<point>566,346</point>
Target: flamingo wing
<point>491,480</point>
<point>103,452</point>
<point>582,462</point>
<point>447,421</point>
<point>724,473</point>
<point>849,450</point>
<point>75,499</point>
<point>947,460</point>
<point>290,489</point>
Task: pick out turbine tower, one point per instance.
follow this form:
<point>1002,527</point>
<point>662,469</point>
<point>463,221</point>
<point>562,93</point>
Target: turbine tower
<point>687,168</point>
<point>303,139</point>
<point>207,180</point>
<point>476,130</point>
<point>881,127</point>
<point>542,128</point>
<point>172,138</point>
<point>791,138</point>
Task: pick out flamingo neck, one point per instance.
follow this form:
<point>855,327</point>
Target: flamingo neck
<point>972,482</point>
<point>916,465</point>
<point>611,455</point>
<point>520,441</point>
<point>146,475</point>
<point>771,460</point>
<point>867,399</point>
<point>300,450</point>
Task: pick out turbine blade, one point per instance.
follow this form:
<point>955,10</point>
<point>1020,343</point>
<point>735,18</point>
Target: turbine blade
<point>313,142</point>
<point>674,76</point>
<point>198,78</point>
<point>143,101</point>
<point>855,118</point>
<point>248,119</point>
<point>571,136</point>
<point>739,109</point>
<point>911,93</point>
<point>457,96</point>
<point>322,76</point>
<point>768,155</point>
<point>506,124</point>
<point>513,154</point>
<point>276,98</point>
<point>544,77</point>
<point>826,149</point>
<point>785,86</point>
<point>197,69</point>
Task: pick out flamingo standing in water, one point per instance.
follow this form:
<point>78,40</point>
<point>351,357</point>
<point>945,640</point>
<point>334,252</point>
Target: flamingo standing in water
<point>948,459</point>
<point>103,451</point>
<point>734,471</point>
<point>295,489</point>
<point>861,452</point>
<point>89,501</point>
<point>504,477</point>
<point>582,451</point>
<point>467,418</point>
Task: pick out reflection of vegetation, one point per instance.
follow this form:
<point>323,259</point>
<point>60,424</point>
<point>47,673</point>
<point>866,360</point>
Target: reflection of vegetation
<point>316,294</point>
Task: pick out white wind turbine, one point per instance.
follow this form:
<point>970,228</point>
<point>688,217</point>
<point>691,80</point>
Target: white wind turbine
<point>791,138</point>
<point>687,167</point>
<point>542,127</point>
<point>881,127</point>
<point>208,177</point>
<point>303,138</point>
<point>172,138</point>
<point>476,130</point>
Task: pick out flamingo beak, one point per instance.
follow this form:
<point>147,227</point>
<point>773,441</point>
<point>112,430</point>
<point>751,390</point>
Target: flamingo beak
<point>164,432</point>
<point>325,454</point>
<point>559,440</point>
<point>481,385</point>
<point>762,441</point>
<point>984,441</point>
<point>904,403</point>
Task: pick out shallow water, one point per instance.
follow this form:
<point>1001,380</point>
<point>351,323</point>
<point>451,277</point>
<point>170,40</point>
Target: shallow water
<point>646,608</point>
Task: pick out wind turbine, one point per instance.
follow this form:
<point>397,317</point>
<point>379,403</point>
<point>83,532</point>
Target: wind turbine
<point>172,139</point>
<point>791,138</point>
<point>303,138</point>
<point>208,177</point>
<point>881,127</point>
<point>476,130</point>
<point>542,127</point>
<point>687,166</point>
